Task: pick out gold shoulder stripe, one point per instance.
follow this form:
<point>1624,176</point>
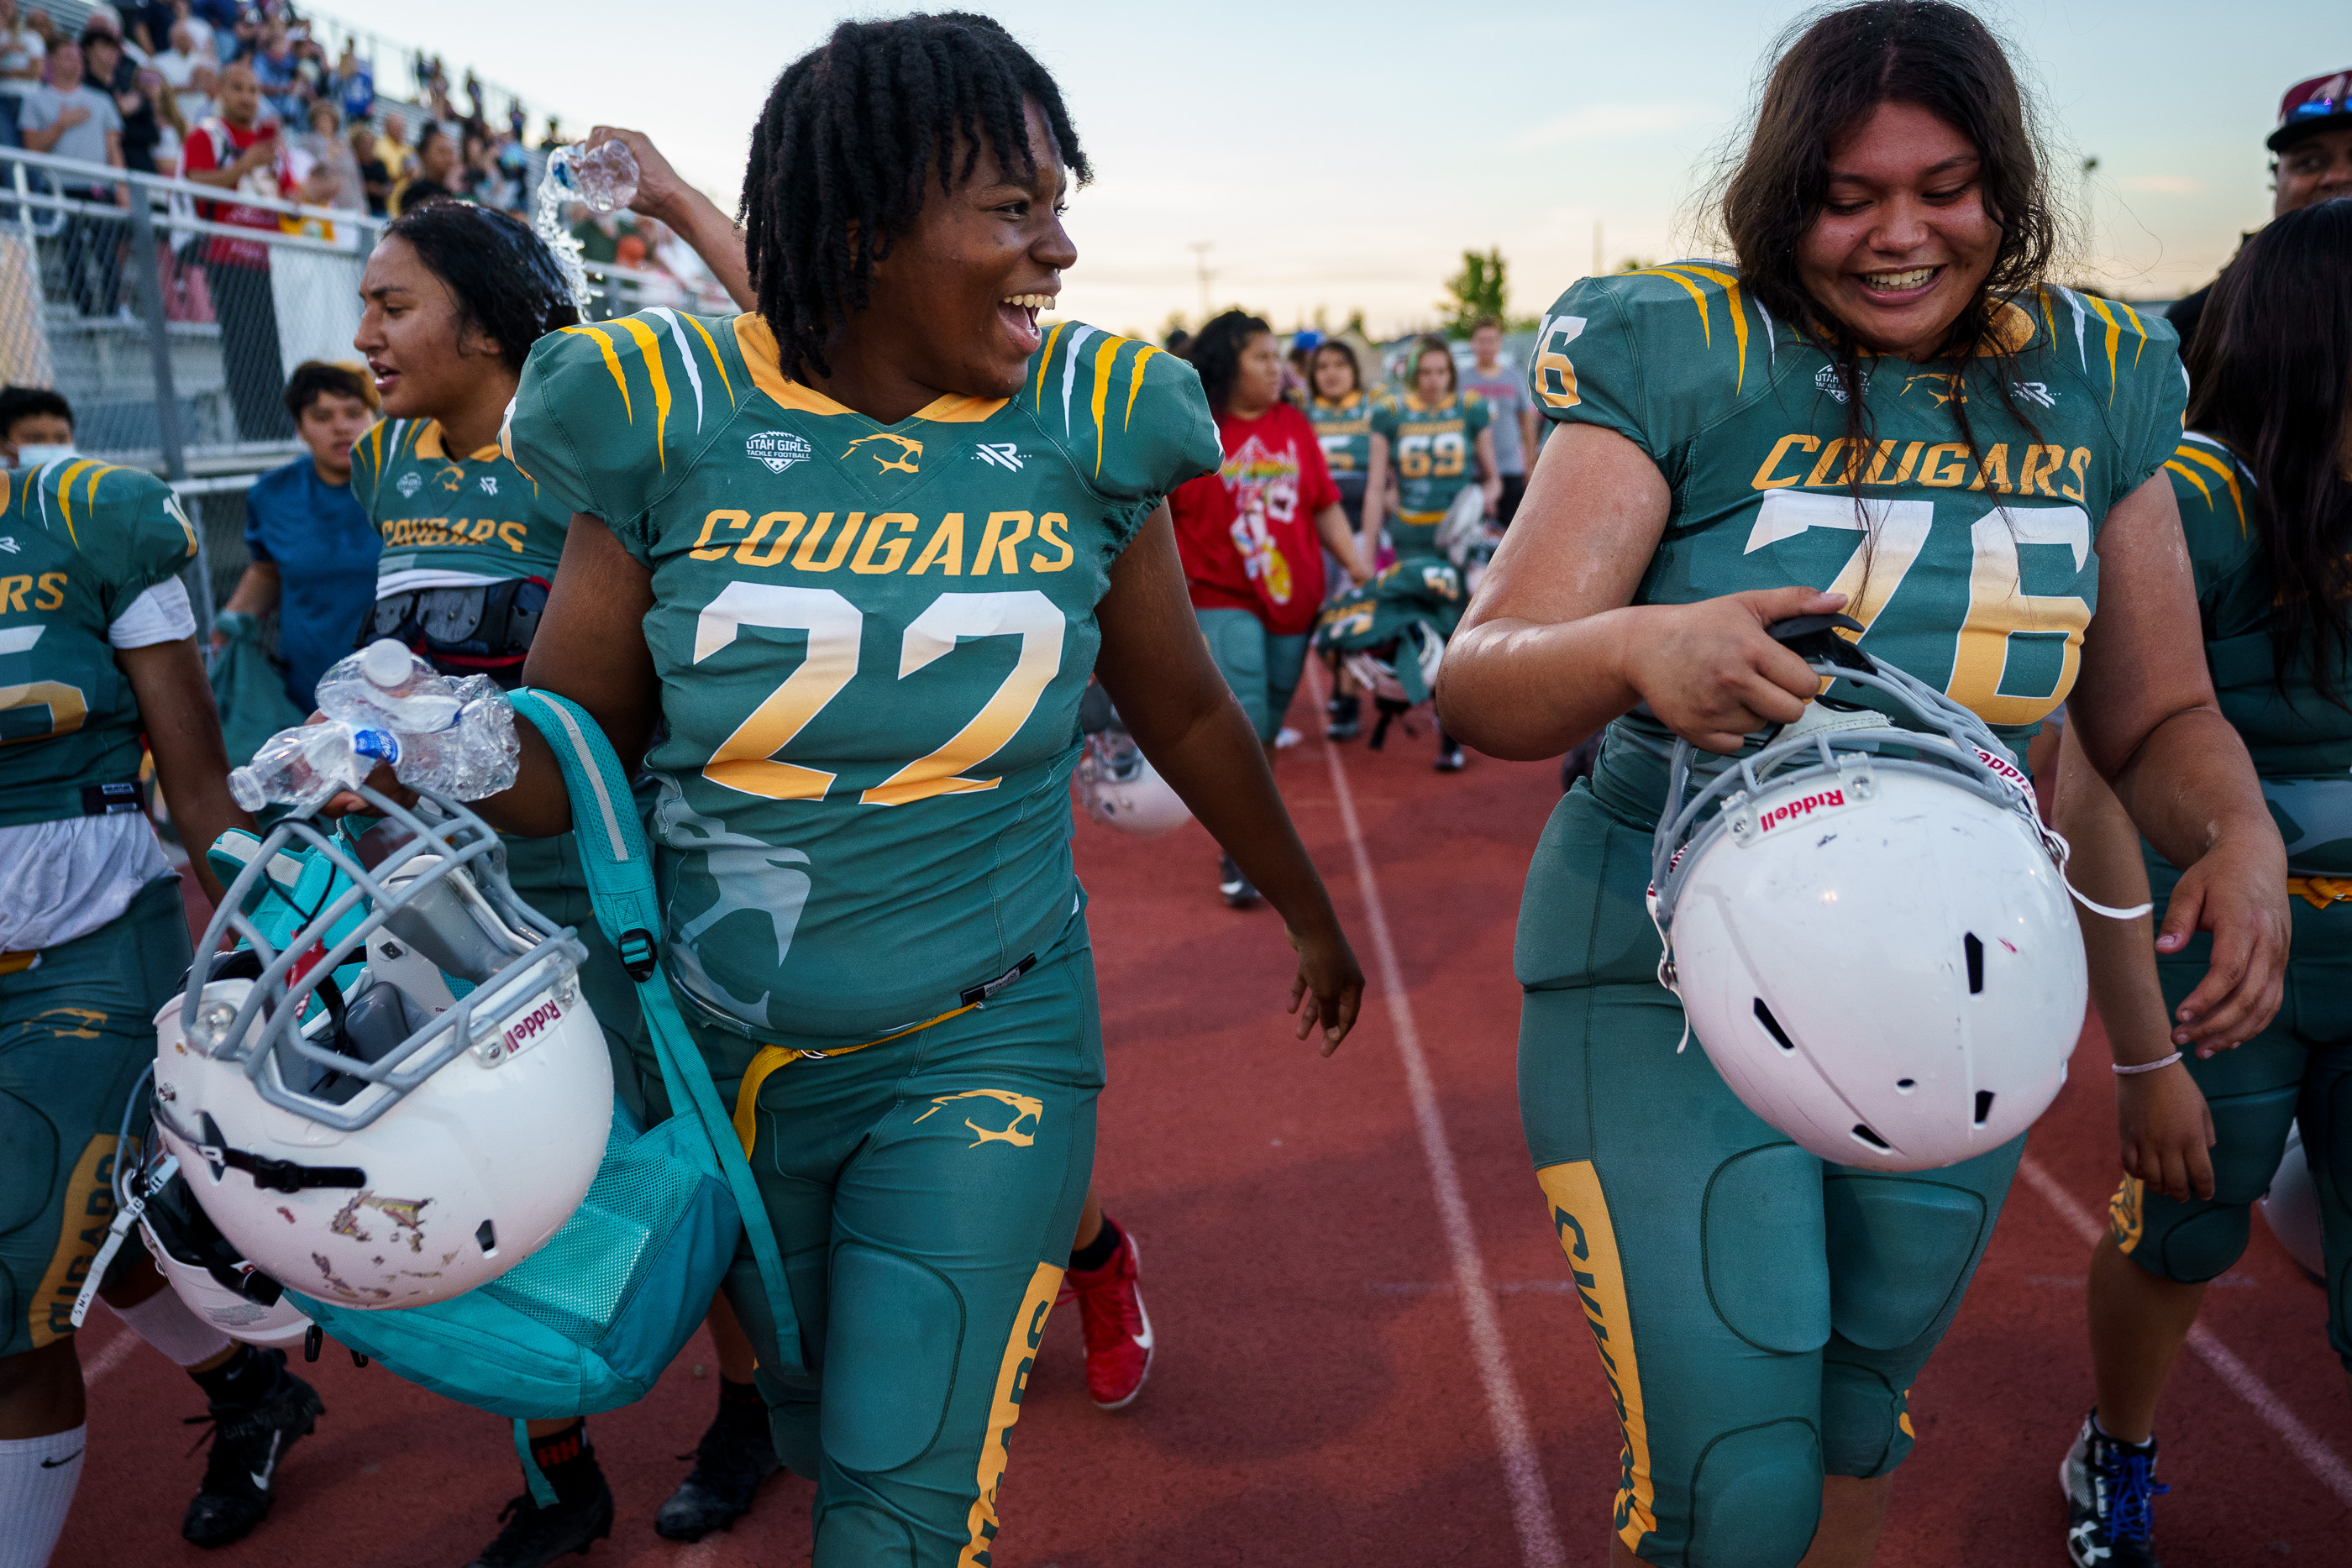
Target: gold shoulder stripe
<point>2138,326</point>
<point>696,322</point>
<point>1739,319</point>
<point>2219,465</point>
<point>1106,356</point>
<point>2115,338</point>
<point>2049,318</point>
<point>7,489</point>
<point>611,363</point>
<point>649,349</point>
<point>764,361</point>
<point>1135,381</point>
<point>2182,469</point>
<point>375,439</point>
<point>1698,297</point>
<point>1046,358</point>
<point>90,493</point>
<point>65,492</point>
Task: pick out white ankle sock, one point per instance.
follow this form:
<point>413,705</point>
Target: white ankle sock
<point>163,1321</point>
<point>37,1487</point>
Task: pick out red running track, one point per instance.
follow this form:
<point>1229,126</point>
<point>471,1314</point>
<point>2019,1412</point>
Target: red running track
<point>1318,1398</point>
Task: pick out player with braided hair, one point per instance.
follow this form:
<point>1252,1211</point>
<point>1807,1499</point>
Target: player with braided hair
<point>853,557</point>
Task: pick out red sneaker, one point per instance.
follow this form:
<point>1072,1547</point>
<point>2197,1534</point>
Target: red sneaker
<point>1117,1330</point>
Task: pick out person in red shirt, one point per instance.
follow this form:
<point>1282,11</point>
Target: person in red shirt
<point>236,151</point>
<point>1248,534</point>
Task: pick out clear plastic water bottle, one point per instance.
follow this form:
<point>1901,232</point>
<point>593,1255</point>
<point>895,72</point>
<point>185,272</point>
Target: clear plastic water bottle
<point>305,767</point>
<point>384,685</point>
<point>604,176</point>
<point>475,754</point>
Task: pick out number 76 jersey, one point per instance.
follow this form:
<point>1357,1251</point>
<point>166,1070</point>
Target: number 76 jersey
<point>1966,551</point>
<point>871,641</point>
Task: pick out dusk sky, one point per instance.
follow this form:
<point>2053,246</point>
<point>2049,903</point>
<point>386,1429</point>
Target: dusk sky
<point>1341,156</point>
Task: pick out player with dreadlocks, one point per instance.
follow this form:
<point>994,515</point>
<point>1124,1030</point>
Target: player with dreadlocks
<point>852,556</point>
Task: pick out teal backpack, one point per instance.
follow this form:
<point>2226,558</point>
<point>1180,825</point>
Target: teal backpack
<point>589,1320</point>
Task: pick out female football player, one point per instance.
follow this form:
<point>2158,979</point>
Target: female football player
<point>1247,535</point>
<point>1342,412</point>
<point>1763,1314</point>
<point>2264,481</point>
<point>1103,1278</point>
<point>855,555</point>
<point>1432,432</point>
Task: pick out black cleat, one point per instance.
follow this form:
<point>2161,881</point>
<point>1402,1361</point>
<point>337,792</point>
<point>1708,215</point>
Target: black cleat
<point>535,1536</point>
<point>2110,1489</point>
<point>1237,889</point>
<point>248,1443</point>
<point>1345,717</point>
<point>729,1463</point>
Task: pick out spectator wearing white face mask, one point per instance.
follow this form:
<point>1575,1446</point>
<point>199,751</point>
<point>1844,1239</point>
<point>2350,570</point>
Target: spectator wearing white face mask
<point>35,427</point>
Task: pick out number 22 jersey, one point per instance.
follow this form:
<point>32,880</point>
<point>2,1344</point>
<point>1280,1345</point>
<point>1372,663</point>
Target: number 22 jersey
<point>1971,566</point>
<point>871,641</point>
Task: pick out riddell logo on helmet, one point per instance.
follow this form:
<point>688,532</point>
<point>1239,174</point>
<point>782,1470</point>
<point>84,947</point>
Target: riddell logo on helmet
<point>528,1027</point>
<point>1796,810</point>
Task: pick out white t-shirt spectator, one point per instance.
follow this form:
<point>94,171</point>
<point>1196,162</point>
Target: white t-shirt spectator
<point>21,54</point>
<point>43,104</point>
<point>180,68</point>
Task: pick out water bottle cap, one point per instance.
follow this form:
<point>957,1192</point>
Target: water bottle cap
<point>386,663</point>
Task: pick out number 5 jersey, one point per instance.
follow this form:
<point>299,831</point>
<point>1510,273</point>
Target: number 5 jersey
<point>871,641</point>
<point>1969,555</point>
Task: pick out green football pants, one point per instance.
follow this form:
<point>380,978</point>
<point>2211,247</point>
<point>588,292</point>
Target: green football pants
<point>924,1190</point>
<point>2297,1069</point>
<point>77,1028</point>
<point>1760,1313</point>
<point>1262,668</point>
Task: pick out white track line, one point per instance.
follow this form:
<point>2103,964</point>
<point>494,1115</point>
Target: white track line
<point>2307,1443</point>
<point>110,1355</point>
<point>1522,1469</point>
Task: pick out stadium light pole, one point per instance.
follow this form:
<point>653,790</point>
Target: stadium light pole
<point>1200,249</point>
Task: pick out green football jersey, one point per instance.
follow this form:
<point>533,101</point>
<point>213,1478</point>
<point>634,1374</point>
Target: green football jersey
<point>478,515</point>
<point>1971,568</point>
<point>80,541</point>
<point>1345,430</point>
<point>871,641</point>
<point>1435,452</point>
<point>2301,742</point>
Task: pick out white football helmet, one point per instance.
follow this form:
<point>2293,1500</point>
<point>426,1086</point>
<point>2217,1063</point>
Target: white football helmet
<point>1869,929</point>
<point>1378,676</point>
<point>1464,527</point>
<point>1121,789</point>
<point>2290,1208</point>
<point>394,1091</point>
<point>211,1277</point>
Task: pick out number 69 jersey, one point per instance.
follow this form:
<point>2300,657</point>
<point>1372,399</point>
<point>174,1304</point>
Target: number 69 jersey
<point>871,639</point>
<point>1971,564</point>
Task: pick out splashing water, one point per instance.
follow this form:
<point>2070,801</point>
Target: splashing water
<point>547,223</point>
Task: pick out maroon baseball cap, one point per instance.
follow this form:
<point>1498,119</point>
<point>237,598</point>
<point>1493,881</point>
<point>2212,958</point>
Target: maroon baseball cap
<point>2321,103</point>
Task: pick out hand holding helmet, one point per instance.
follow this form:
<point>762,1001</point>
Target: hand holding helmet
<point>1713,675</point>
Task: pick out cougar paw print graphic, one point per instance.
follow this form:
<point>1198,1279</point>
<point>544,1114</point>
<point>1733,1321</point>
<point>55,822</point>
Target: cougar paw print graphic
<point>1023,1109</point>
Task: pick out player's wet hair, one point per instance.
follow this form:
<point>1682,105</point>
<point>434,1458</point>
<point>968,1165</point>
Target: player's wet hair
<point>853,137</point>
<point>1346,352</point>
<point>2271,375</point>
<point>1216,352</point>
<point>1827,80</point>
<point>503,278</point>
<point>1421,348</point>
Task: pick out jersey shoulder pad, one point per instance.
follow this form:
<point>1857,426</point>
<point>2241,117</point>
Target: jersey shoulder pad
<point>1130,418</point>
<point>125,521</point>
<point>368,454</point>
<point>1654,355</point>
<point>609,413</point>
<point>2212,486</point>
<point>2127,365</point>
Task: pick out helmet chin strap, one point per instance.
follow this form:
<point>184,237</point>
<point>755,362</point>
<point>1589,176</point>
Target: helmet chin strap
<point>2062,851</point>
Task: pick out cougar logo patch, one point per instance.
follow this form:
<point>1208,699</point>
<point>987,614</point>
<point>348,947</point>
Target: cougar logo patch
<point>1023,1108</point>
<point>904,456</point>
